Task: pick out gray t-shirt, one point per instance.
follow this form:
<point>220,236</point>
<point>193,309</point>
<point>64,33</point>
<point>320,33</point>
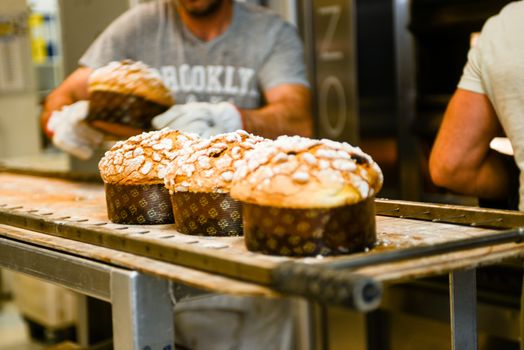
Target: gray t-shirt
<point>257,52</point>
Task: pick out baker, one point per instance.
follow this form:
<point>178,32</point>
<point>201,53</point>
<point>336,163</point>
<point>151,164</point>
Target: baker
<point>488,102</point>
<point>220,58</point>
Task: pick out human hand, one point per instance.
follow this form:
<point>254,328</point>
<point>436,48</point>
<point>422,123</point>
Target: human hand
<point>203,118</point>
<point>71,133</point>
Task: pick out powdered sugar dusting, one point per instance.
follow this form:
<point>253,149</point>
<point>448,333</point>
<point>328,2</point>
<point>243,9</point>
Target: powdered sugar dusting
<point>132,78</point>
<point>301,177</point>
<point>309,158</point>
<point>292,165</point>
<point>142,158</point>
<point>227,176</point>
<point>209,165</point>
<point>146,168</point>
<point>344,165</point>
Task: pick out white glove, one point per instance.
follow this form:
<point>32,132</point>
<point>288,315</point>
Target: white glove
<point>71,133</point>
<point>203,118</point>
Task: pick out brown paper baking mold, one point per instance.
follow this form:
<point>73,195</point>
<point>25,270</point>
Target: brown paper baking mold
<point>207,214</point>
<point>138,204</point>
<point>309,232</point>
<point>130,110</point>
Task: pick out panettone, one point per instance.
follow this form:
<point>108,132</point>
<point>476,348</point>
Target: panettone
<point>199,181</point>
<point>130,78</point>
<point>143,159</point>
<point>133,172</point>
<point>127,93</point>
<point>306,197</point>
<point>208,165</point>
<point>296,172</point>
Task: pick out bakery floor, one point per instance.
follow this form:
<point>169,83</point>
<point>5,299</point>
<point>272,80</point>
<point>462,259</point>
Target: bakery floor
<point>14,333</point>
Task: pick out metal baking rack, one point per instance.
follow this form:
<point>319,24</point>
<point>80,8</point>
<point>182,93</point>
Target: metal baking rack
<point>333,280</point>
<point>460,239</point>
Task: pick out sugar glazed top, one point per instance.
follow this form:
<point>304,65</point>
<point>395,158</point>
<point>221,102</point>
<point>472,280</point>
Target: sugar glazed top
<point>142,159</point>
<point>208,165</point>
<point>297,172</point>
<point>131,78</point>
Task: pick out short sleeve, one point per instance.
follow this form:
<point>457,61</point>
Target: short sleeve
<point>471,79</point>
<point>113,43</point>
<point>285,64</point>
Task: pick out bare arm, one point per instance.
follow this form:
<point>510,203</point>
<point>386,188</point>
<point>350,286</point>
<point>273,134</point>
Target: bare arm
<point>461,159</point>
<point>288,112</point>
<point>72,89</point>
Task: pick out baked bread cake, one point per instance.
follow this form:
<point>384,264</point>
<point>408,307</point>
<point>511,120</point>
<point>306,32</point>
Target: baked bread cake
<point>127,93</point>
<point>133,172</point>
<point>199,181</point>
<point>307,197</point>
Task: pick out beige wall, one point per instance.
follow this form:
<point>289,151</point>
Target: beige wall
<point>81,21</point>
<point>19,131</point>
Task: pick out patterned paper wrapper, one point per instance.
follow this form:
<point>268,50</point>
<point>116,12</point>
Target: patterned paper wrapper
<point>309,232</point>
<point>207,214</point>
<point>138,204</point>
<point>130,110</point>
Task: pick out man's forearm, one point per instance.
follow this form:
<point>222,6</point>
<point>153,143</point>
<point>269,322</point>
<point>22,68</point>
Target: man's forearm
<point>490,180</point>
<point>72,89</point>
<point>273,121</point>
<point>496,177</point>
<point>461,159</point>
<point>290,115</point>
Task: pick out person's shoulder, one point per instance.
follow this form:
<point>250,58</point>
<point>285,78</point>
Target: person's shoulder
<point>150,11</point>
<point>513,14</point>
<point>512,8</point>
<point>509,16</point>
<point>257,14</point>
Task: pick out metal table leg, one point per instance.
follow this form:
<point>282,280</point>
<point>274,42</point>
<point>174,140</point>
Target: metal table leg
<point>463,309</point>
<point>141,309</point>
<point>307,324</point>
<point>142,312</point>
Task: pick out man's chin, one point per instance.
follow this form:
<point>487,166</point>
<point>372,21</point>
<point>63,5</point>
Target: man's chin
<point>200,10</point>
